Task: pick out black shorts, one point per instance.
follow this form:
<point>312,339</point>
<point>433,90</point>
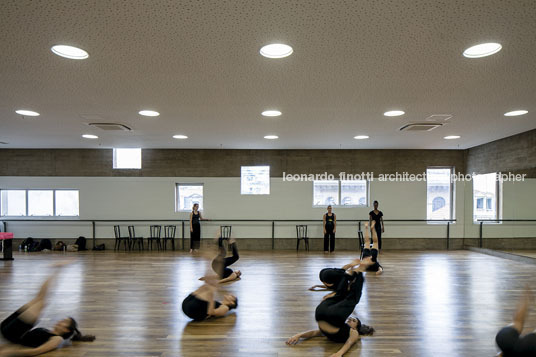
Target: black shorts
<point>195,308</point>
<point>13,329</point>
<point>511,344</point>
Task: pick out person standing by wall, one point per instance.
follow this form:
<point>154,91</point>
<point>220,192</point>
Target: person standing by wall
<point>195,228</point>
<point>377,216</point>
<point>330,227</point>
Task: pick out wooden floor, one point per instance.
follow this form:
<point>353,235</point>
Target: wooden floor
<point>425,304</point>
<point>523,253</point>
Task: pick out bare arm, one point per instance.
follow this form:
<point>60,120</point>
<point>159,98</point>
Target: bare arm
<point>334,223</point>
<point>522,311</point>
<point>383,227</point>
<point>321,287</point>
<point>305,335</point>
<point>354,337</point>
<point>231,277</point>
<point>48,346</point>
<point>324,223</point>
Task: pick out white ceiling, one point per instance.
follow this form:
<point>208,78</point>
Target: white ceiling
<point>198,64</point>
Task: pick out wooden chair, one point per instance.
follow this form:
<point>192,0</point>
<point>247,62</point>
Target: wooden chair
<point>119,239</point>
<point>169,234</point>
<point>225,232</point>
<point>155,232</point>
<point>134,239</point>
<point>361,243</point>
<point>301,234</point>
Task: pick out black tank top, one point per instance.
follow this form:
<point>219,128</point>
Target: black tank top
<point>330,221</point>
<point>36,337</point>
<point>195,218</point>
<point>377,218</point>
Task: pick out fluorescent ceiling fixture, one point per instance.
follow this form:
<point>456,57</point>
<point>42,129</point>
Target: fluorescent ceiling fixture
<point>452,137</point>
<point>28,113</point>
<point>394,113</point>
<point>276,50</point>
<point>271,113</point>
<point>515,113</point>
<point>361,137</point>
<point>482,50</point>
<point>90,136</point>
<point>271,137</point>
<point>149,113</point>
<point>70,52</point>
<point>180,137</point>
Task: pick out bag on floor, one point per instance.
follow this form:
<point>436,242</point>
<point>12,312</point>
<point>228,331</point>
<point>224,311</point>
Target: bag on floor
<point>99,247</point>
<point>26,244</point>
<point>81,243</point>
<point>45,244</point>
<point>60,246</point>
<point>34,247</point>
<point>72,248</point>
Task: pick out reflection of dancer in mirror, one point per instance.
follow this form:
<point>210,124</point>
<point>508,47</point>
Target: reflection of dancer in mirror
<point>377,216</point>
<point>195,228</point>
<point>221,264</point>
<point>332,315</point>
<point>19,329</point>
<point>509,338</point>
<point>369,252</point>
<point>330,228</point>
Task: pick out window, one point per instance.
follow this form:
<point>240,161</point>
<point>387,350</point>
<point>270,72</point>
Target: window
<point>67,203</point>
<point>353,193</point>
<point>486,190</point>
<point>325,193</point>
<point>13,203</point>
<point>255,180</point>
<point>439,193</point>
<point>39,203</point>
<point>127,158</point>
<point>340,193</point>
<point>187,195</point>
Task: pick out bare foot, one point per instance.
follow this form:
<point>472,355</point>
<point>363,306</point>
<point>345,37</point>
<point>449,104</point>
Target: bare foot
<point>380,271</point>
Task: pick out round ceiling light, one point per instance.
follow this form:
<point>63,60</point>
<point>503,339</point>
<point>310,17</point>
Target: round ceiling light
<point>515,113</point>
<point>271,137</point>
<point>149,113</point>
<point>482,50</point>
<point>180,137</point>
<point>27,113</point>
<point>90,136</point>
<point>394,113</point>
<point>271,113</point>
<point>70,52</point>
<point>276,50</point>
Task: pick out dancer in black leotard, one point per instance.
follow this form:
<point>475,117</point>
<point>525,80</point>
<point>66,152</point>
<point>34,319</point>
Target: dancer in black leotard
<point>195,228</point>
<point>332,315</point>
<point>371,252</point>
<point>200,304</point>
<point>330,228</point>
<point>377,216</point>
<point>19,329</point>
<point>509,338</point>
<point>332,279</point>
<point>221,264</point>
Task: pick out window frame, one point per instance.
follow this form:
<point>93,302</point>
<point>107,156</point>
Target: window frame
<point>498,201</point>
<point>177,198</point>
<point>367,199</point>
<point>27,216</point>
<point>452,195</point>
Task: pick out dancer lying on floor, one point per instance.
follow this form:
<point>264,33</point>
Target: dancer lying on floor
<point>371,252</point>
<point>509,338</point>
<point>200,305</point>
<point>19,327</point>
<point>333,314</point>
<point>221,263</point>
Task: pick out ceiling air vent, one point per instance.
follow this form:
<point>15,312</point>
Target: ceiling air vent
<point>110,126</point>
<point>439,118</point>
<point>420,126</point>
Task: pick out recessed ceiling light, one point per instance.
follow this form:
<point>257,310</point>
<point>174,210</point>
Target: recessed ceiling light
<point>276,50</point>
<point>180,137</point>
<point>90,136</point>
<point>271,113</point>
<point>452,137</point>
<point>149,113</point>
<point>28,113</point>
<point>361,137</point>
<point>70,52</point>
<point>394,113</point>
<point>515,113</point>
<point>482,50</point>
<point>271,137</point>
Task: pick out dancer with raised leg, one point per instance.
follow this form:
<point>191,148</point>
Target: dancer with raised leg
<point>221,263</point>
<point>371,252</point>
<point>333,314</point>
<point>19,327</point>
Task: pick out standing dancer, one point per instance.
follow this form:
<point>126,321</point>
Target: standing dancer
<point>377,216</point>
<point>195,228</point>
<point>19,329</point>
<point>330,228</point>
<point>509,338</point>
<point>332,315</point>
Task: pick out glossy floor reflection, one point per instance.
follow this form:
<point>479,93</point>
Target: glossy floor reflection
<point>426,303</point>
